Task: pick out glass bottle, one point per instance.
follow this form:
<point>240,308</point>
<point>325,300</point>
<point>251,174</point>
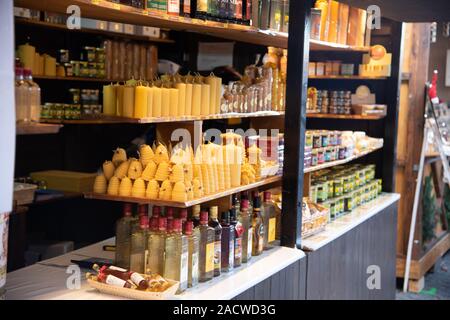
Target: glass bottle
<point>223,9</point>
<point>183,214</point>
<point>22,97</point>
<point>275,15</point>
<point>139,252</point>
<point>227,242</point>
<point>123,237</point>
<point>264,14</point>
<point>245,219</point>
<point>269,218</point>
<point>34,96</point>
<point>176,256</point>
<point>214,223</point>
<point>201,9</point>
<point>185,8</point>
<point>244,196</point>
<point>196,215</point>
<point>238,230</point>
<point>258,229</point>
<point>173,7</point>
<point>206,261</point>
<point>193,253</point>
<point>142,211</point>
<point>156,246</point>
<point>213,9</point>
<point>169,213</point>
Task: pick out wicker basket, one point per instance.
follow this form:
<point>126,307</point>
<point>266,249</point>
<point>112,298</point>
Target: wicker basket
<point>133,293</point>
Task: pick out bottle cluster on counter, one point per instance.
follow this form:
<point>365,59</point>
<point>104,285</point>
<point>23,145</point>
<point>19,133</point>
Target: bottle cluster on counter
<point>27,97</point>
<point>343,188</point>
<point>198,248</point>
<point>182,176</point>
<point>170,96</point>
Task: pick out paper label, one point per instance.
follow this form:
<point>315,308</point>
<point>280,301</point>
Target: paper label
<point>272,229</point>
<point>238,249</point>
<point>194,268</point>
<point>173,6</point>
<point>114,281</point>
<point>209,263</point>
<point>184,270</point>
<point>118,269</point>
<point>249,243</point>
<point>136,278</point>
<point>217,254</point>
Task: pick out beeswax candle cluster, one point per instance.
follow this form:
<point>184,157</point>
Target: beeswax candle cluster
<point>180,175</point>
<point>170,96</point>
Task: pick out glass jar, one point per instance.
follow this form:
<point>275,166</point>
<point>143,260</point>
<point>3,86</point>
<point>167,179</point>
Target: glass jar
<point>275,15</point>
<point>63,56</point>
<point>313,193</point>
<point>320,156</point>
<point>100,55</point>
<point>88,54</point>
<point>46,110</point>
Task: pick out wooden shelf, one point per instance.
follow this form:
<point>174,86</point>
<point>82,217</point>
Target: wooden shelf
<point>187,204</point>
<point>317,45</point>
<point>112,120</point>
<point>54,26</point>
<point>347,78</point>
<point>55,78</point>
<point>37,128</point>
<point>344,116</point>
<point>339,162</point>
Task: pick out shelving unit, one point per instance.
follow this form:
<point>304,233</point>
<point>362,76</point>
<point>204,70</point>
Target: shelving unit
<point>344,116</point>
<point>346,78</point>
<point>81,79</point>
<point>37,128</point>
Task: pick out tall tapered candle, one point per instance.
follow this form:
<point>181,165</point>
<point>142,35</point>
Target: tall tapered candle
<point>206,88</point>
<point>140,102</point>
<point>109,100</point>
<point>119,100</point>
<point>128,101</point>
<point>188,99</point>
<point>196,99</point>
<point>174,102</point>
<point>211,80</point>
<point>218,94</point>
<point>181,99</point>
<point>165,102</point>
<point>150,101</point>
<point>157,97</point>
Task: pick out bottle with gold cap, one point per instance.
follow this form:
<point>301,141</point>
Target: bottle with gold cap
<point>215,224</point>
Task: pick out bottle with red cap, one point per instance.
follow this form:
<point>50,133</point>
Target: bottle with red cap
<point>268,212</point>
<point>206,256</point>
<point>183,214</point>
<point>142,211</point>
<point>138,256</point>
<point>123,237</point>
<point>176,256</point>
<point>193,252</point>
<point>156,212</point>
<point>245,219</point>
<point>156,247</point>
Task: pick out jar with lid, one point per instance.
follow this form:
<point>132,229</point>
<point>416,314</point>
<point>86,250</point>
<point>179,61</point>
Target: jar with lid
<point>275,15</point>
<point>59,111</point>
<point>313,193</point>
<point>338,186</point>
<point>45,111</point>
<point>322,194</point>
<point>328,151</point>
<point>314,157</point>
<point>88,54</point>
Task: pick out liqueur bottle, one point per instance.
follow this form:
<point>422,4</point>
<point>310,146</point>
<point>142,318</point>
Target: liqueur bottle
<point>124,274</point>
<point>173,7</point>
<point>245,219</point>
<point>214,223</point>
<point>227,242</point>
<point>183,214</point>
<point>238,11</point>
<point>176,256</point>
<point>113,280</point>
<point>238,230</point>
<point>201,9</point>
<point>139,252</point>
<point>156,246</point>
<point>206,256</point>
<point>258,229</point>
<point>269,217</point>
<point>235,203</point>
<point>231,10</point>
<point>213,9</point>
<point>223,9</point>
<point>244,196</point>
<point>196,215</point>
<point>185,8</point>
<point>247,12</point>
<point>123,237</point>
<point>169,213</point>
<point>193,253</point>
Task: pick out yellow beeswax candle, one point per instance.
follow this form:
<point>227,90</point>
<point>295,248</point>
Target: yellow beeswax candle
<point>128,101</point>
<point>205,111</point>
<point>218,95</point>
<point>119,100</point>
<point>157,98</point>
<point>109,100</point>
<point>140,101</point>
<point>165,102</point>
<point>211,80</point>
<point>150,101</point>
<point>188,99</point>
<point>173,109</point>
<point>196,99</point>
<point>49,66</point>
<point>27,55</point>
<point>181,99</point>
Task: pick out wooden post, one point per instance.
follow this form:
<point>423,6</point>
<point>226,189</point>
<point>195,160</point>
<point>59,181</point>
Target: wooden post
<point>295,122</point>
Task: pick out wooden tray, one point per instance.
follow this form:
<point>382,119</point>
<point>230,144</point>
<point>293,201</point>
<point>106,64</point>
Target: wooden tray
<point>133,293</point>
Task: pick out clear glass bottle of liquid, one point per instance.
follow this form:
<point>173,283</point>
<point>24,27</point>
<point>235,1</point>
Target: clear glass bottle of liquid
<point>238,230</point>
<point>214,223</point>
<point>139,252</point>
<point>22,98</point>
<point>270,221</point>
<point>193,253</point>
<point>142,211</point>
<point>156,246</point>
<point>275,15</point>
<point>196,215</point>
<point>183,214</point>
<point>176,256</point>
<point>123,237</point>
<point>258,229</point>
<point>206,261</point>
<point>227,242</point>
<point>247,235</point>
<point>34,96</point>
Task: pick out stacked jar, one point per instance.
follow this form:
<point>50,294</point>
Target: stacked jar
<point>323,146</point>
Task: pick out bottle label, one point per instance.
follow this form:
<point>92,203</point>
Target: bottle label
<point>184,270</point>
<point>117,269</point>
<point>114,281</point>
<point>194,269</point>
<point>173,6</point>
<point>238,249</point>
<point>238,9</point>
<point>260,244</point>
<point>272,229</point>
<point>217,255</point>
<point>249,243</point>
<point>231,254</point>
<point>187,7</point>
<point>136,278</point>
<point>209,263</point>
